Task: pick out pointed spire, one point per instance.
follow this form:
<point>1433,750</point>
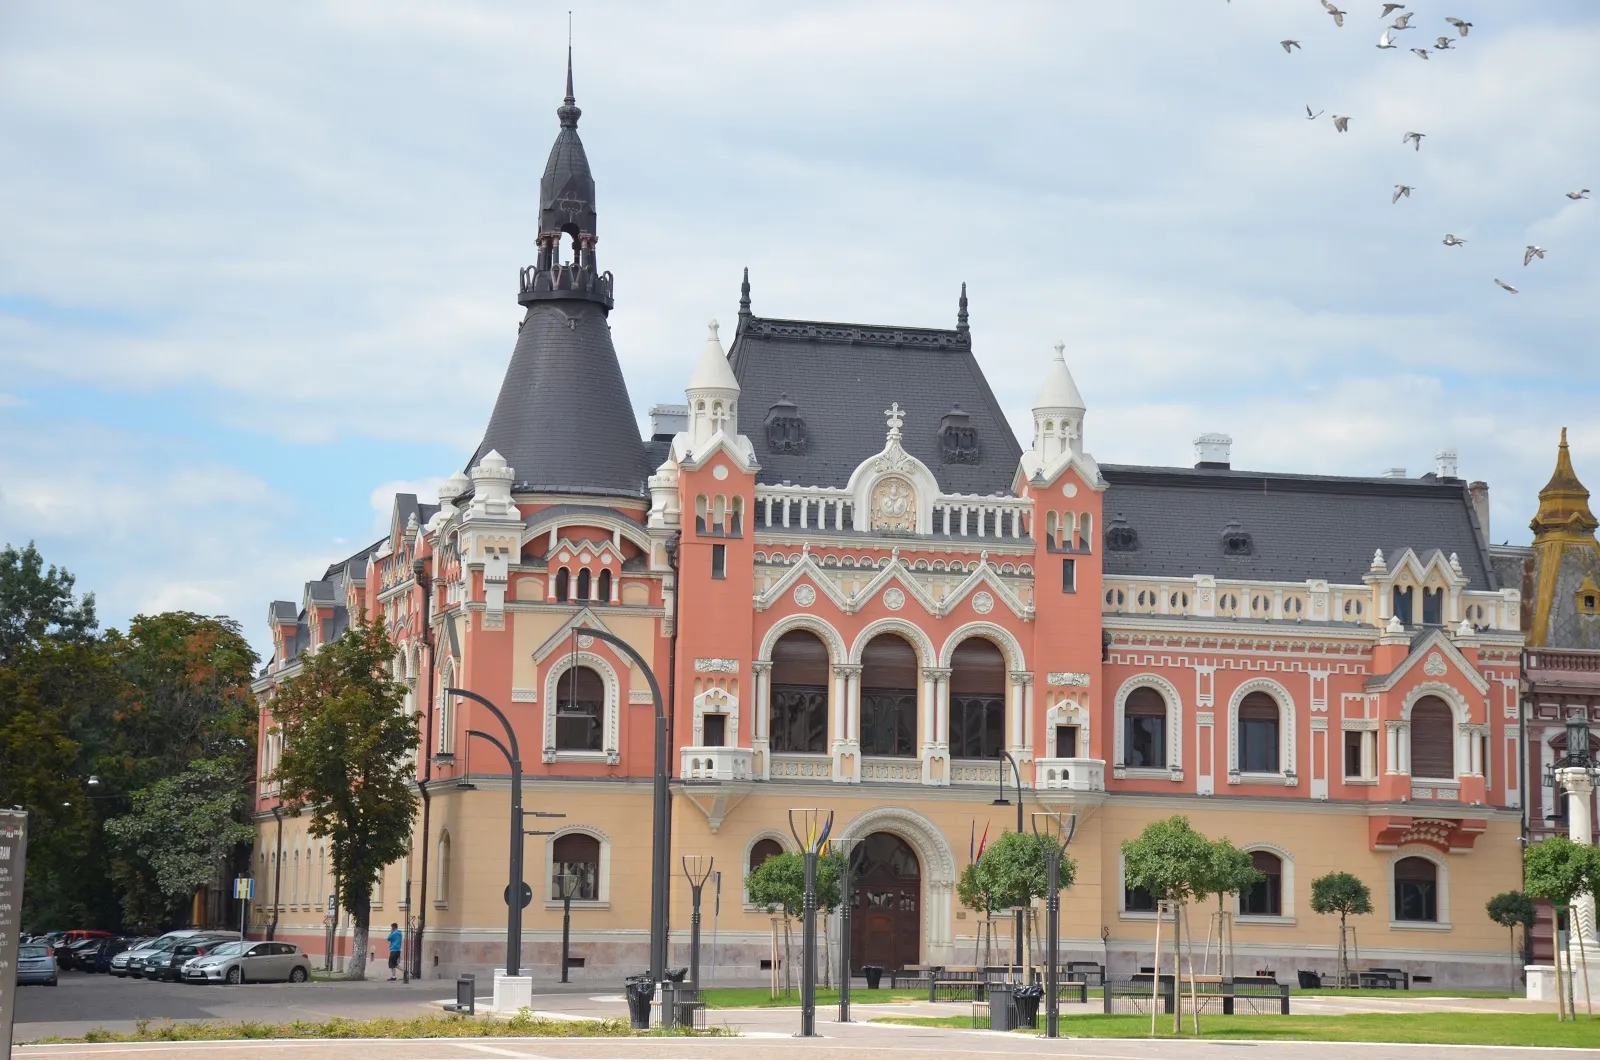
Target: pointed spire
<point>568,112</point>
<point>744,301</point>
<point>1564,502</point>
<point>1059,391</point>
<point>961,312</point>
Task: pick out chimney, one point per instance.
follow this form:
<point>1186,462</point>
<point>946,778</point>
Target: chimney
<point>1444,463</point>
<point>668,420</point>
<point>1394,472</point>
<point>1479,493</point>
<point>1213,452</point>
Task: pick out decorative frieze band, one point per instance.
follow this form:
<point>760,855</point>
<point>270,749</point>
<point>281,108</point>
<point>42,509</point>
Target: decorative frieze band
<point>1062,677</point>
<point>524,695</point>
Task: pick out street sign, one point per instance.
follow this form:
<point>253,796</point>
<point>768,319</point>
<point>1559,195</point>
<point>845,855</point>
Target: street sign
<point>13,861</point>
<point>333,904</point>
<point>244,888</point>
<point>527,895</point>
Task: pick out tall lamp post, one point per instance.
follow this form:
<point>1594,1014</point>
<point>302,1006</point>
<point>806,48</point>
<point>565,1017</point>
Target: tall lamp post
<point>569,882</point>
<point>697,867</point>
<point>1055,835</point>
<point>514,888</point>
<point>811,833</point>
<point>1577,771</point>
<point>1016,932</point>
<point>846,899</point>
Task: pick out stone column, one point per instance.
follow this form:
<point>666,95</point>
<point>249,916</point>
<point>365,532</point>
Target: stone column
<point>1391,758</point>
<point>1580,829</point>
<point>936,748</point>
<point>761,721</point>
<point>847,723</point>
<point>1020,738</point>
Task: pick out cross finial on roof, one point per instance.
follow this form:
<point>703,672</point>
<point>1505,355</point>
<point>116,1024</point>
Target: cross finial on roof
<point>897,418</point>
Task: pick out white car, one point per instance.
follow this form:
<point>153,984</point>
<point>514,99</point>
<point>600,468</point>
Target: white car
<point>250,962</point>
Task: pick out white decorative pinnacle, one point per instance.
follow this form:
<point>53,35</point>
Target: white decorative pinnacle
<point>1455,563</point>
<point>1395,625</point>
<point>897,418</point>
<point>1377,560</point>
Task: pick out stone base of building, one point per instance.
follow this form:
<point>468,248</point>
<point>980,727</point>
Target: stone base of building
<point>1542,978</point>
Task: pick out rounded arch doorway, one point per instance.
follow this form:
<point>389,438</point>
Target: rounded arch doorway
<point>886,918</point>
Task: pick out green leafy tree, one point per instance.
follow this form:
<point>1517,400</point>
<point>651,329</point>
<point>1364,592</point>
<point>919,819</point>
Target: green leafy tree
<point>1011,873</point>
<point>1229,871</point>
<point>347,762</point>
<point>1176,864</point>
<point>1559,870</point>
<point>779,884</point>
<point>1342,893</point>
<point>1511,910</point>
<point>37,604</point>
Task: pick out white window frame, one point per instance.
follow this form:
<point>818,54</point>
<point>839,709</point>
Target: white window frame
<point>1123,912</point>
<point>1442,882</point>
<point>444,848</point>
<point>1461,715</point>
<point>1286,774</point>
<point>611,718</point>
<point>603,883</point>
<point>1169,692</point>
<point>1286,914</point>
<point>447,711</point>
<point>785,841</point>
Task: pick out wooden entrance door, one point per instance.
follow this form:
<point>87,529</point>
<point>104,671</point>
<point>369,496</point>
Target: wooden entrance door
<point>886,918</point>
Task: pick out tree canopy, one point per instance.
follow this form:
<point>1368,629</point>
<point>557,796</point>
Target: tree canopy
<point>1558,870</point>
<point>1512,909</point>
<point>36,603</point>
<point>1228,870</point>
<point>1170,860</point>
<point>780,882</point>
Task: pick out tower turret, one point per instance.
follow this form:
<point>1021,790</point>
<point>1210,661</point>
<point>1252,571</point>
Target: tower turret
<point>1058,413</point>
<point>713,393</point>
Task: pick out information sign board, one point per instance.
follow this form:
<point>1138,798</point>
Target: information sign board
<point>13,861</point>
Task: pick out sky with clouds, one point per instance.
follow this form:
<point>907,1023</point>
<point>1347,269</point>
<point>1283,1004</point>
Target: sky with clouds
<point>258,263</point>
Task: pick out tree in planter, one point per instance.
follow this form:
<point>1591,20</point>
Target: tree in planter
<point>1229,871</point>
<point>780,883</point>
<point>972,888</point>
<point>1511,910</point>
<point>347,746</point>
<point>1342,893</point>
<point>1173,862</point>
<point>1559,870</point>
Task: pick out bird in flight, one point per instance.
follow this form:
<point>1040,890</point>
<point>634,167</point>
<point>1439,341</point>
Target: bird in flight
<point>1338,16</point>
<point>1454,241</point>
<point>1421,53</point>
<point>1386,41</point>
<point>1506,286</point>
<point>1341,122</point>
<point>1403,22</point>
<point>1399,190</point>
<point>1461,27</point>
<point>1389,9</point>
<point>1445,44</point>
<point>1581,193</point>
<point>1310,116</point>
<point>1532,252</point>
<point>1290,45</point>
<point>1413,137</point>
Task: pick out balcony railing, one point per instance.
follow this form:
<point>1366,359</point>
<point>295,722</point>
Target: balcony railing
<point>717,763</point>
<point>1070,774</point>
<point>1587,662</point>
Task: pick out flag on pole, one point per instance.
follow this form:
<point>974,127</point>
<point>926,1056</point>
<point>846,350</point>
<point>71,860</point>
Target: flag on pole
<point>984,842</point>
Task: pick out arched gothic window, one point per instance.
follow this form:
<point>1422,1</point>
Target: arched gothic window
<point>603,593</point>
<point>1433,745</point>
<point>583,584</point>
<point>889,697</point>
<point>977,700</point>
<point>577,854</point>
<point>798,719</point>
<point>1144,730</point>
<point>580,710</point>
<point>563,585</point>
<point>1259,725</point>
<point>1416,890</point>
<point>1265,897</point>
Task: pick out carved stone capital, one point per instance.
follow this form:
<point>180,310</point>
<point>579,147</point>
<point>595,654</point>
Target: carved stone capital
<point>936,673</point>
<point>759,668</point>
<point>847,670</point>
<point>1021,677</point>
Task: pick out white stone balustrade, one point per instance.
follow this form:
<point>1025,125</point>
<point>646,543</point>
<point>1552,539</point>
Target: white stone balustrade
<point>1070,774</point>
<point>718,763</point>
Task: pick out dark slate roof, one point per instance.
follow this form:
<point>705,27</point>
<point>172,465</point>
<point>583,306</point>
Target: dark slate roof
<point>573,511</point>
<point>563,421</point>
<point>656,451</point>
<point>322,591</point>
<point>1567,627</point>
<point>843,377</point>
<point>284,611</point>
<point>1301,526</point>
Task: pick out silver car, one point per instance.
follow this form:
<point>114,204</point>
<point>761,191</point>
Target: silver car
<point>35,964</point>
<point>250,962</point>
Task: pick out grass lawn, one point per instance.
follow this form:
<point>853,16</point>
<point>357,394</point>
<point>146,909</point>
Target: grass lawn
<point>761,997</point>
<point>522,1026</point>
<point>1420,1028</point>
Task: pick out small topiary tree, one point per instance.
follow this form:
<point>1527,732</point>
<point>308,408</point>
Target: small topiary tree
<point>779,883</point>
<point>1559,870</point>
<point>1229,871</point>
<point>1174,863</point>
<point>1342,893</point>
<point>1510,910</point>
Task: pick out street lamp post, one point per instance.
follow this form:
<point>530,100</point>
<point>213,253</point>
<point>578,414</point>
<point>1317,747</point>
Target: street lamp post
<point>514,888</point>
<point>1054,835</point>
<point>847,846</point>
<point>1016,931</point>
<point>570,882</point>
<point>1577,771</point>
<point>812,838</point>
<point>698,869</point>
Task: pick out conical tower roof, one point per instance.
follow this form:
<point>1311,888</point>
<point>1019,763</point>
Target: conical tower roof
<point>1564,502</point>
<point>563,420</point>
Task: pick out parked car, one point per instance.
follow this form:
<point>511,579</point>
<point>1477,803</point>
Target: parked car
<point>250,962</point>
<point>72,938</point>
<point>78,955</point>
<point>168,965</point>
<point>131,962</point>
<point>35,964</point>
<point>108,949</point>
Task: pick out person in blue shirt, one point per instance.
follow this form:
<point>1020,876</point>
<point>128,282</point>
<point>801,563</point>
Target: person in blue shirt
<point>394,950</point>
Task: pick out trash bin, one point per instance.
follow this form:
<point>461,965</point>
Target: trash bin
<point>466,995</point>
<point>1002,1007</point>
<point>1027,1001</point>
<point>641,991</point>
<point>874,975</point>
<point>1310,980</point>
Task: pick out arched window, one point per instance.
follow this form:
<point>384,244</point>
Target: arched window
<point>577,854</point>
<point>701,509</point>
<point>603,593</point>
<point>977,700</point>
<point>294,881</point>
<point>583,584</point>
<point>441,882</point>
<point>1433,744</point>
<point>736,517</point>
<point>1144,730</point>
<point>1259,723</point>
<point>580,710</point>
<point>1433,607</point>
<point>719,514</point>
<point>447,710</point>
<point>889,697</point>
<point>1265,897</point>
<point>563,585</point>
<point>1086,532</point>
<point>761,850</point>
<point>799,715</point>
<point>1402,605</point>
<point>1416,890</point>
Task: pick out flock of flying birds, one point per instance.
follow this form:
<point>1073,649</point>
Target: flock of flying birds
<point>1388,42</point>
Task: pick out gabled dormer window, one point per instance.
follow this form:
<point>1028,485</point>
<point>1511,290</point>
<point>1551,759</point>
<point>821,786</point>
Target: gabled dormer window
<point>958,438</point>
<point>785,427</point>
<point>1235,542</point>
<point>1121,537</point>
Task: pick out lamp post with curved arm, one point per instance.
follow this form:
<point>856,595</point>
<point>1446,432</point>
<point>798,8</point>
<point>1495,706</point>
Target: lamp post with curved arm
<point>1016,932</point>
<point>811,833</point>
<point>514,889</point>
